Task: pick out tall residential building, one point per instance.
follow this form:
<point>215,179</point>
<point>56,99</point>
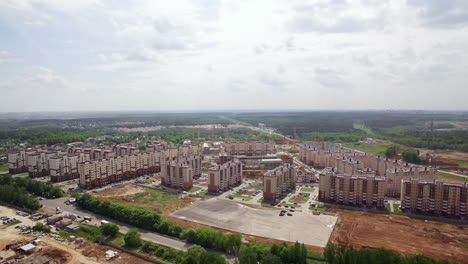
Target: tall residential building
<point>364,190</point>
<point>278,182</point>
<point>96,173</point>
<point>65,167</point>
<point>352,162</point>
<point>17,162</point>
<point>177,174</point>
<point>435,197</point>
<point>223,177</point>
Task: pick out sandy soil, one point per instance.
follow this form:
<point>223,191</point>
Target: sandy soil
<point>119,191</point>
<point>445,154</point>
<point>402,234</point>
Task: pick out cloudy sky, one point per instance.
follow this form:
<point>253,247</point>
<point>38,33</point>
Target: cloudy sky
<point>217,54</point>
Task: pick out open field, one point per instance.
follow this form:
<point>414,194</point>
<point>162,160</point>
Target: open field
<point>450,177</point>
<point>375,148</point>
<point>303,227</point>
<point>402,234</point>
<point>134,195</point>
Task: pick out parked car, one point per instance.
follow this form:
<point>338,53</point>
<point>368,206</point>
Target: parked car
<point>289,214</point>
<point>281,214</point>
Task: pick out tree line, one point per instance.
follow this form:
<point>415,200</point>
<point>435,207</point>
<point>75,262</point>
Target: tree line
<point>34,187</point>
<point>17,192</point>
<point>341,254</point>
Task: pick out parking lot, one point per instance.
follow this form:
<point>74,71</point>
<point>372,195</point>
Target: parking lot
<point>303,227</point>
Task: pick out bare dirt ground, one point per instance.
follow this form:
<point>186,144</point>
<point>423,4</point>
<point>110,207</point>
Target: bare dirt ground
<point>122,192</point>
<point>445,154</point>
<point>402,234</point>
<point>67,252</point>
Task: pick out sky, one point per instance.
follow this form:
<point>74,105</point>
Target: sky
<point>99,55</point>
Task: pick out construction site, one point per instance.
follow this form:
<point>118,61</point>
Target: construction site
<point>403,234</point>
<point>20,246</point>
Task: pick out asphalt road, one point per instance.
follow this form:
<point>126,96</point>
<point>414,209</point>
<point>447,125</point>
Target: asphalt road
<point>145,234</point>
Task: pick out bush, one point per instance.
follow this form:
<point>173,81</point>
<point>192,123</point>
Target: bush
<point>132,238</point>
<point>411,156</point>
<point>40,227</point>
<point>109,229</point>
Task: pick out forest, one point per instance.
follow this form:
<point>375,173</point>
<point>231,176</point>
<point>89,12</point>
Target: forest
<point>434,130</point>
<point>18,191</point>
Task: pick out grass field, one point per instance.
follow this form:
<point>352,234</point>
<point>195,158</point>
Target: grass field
<point>307,189</point>
<point>10,224</point>
<point>396,208</point>
<point>153,197</point>
<point>387,207</point>
<point>194,189</point>
<point>377,149</point>
<point>305,198</point>
<point>238,195</point>
<point>451,178</point>
<point>3,166</point>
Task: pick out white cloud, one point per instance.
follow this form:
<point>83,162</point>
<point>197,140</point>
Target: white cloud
<point>144,54</point>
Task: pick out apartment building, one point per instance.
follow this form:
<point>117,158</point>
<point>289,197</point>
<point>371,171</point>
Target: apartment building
<point>249,148</point>
<point>278,182</point>
<point>351,162</point>
<point>38,163</point>
<point>96,173</point>
<point>177,174</point>
<point>356,190</point>
<point>225,176</point>
<point>434,197</point>
<point>17,162</point>
<point>65,167</point>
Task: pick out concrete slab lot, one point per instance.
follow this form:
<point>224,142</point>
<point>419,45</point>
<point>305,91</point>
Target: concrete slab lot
<point>302,226</point>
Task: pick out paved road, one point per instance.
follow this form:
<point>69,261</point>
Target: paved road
<point>145,234</point>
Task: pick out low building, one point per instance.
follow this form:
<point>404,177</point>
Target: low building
<point>434,197</point>
<point>278,182</point>
<point>53,219</point>
<point>27,249</point>
<point>225,176</point>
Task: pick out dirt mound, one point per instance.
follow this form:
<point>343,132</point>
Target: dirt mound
<point>402,234</point>
<point>119,191</point>
<point>58,255</point>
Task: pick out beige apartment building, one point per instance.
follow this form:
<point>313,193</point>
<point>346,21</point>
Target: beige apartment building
<point>96,173</point>
<point>249,148</point>
<point>434,197</point>
<point>351,162</point>
<point>356,190</point>
<point>225,176</point>
<point>278,182</point>
<point>17,162</point>
<point>179,172</point>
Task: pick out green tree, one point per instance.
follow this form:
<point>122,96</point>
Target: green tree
<point>269,258</point>
<point>247,255</point>
<point>411,156</point>
<point>391,151</point>
<point>212,258</point>
<point>132,238</point>
<point>194,254</point>
<point>109,229</point>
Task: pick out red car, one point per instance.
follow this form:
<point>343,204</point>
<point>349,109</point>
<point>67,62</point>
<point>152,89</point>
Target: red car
<point>281,214</point>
